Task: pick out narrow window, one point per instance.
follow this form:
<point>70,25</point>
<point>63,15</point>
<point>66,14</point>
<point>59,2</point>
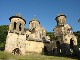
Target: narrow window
<point>20,27</point>
<point>14,25</point>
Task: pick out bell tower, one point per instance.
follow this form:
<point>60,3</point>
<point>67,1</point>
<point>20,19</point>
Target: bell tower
<point>17,24</point>
<point>16,35</point>
<point>61,19</point>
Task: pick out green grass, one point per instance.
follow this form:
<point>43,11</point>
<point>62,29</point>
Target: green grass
<point>32,56</point>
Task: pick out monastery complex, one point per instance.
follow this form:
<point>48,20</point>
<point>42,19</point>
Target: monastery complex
<point>23,41</point>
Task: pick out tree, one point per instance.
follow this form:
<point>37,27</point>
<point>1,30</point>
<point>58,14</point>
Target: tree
<point>51,35</point>
<point>78,37</point>
<point>3,34</point>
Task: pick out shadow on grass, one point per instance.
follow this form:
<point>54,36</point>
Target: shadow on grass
<point>2,48</point>
<point>72,56</point>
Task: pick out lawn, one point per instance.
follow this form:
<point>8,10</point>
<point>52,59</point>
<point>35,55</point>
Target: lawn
<point>32,56</point>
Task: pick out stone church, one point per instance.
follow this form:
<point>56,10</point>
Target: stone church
<point>30,40</point>
<point>36,31</point>
<point>35,39</point>
<point>64,37</point>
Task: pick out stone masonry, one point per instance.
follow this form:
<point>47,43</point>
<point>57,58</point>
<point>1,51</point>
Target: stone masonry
<point>35,39</point>
<point>25,40</point>
<point>64,37</point>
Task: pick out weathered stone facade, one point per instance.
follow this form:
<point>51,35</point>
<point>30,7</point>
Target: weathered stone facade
<point>36,29</point>
<point>34,47</point>
<point>64,37</point>
<point>25,40</point>
<point>15,41</point>
<point>16,35</point>
<point>34,39</point>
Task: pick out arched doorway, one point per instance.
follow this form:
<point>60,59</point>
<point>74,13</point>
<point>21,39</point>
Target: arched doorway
<point>16,51</point>
<point>58,47</point>
<point>58,44</point>
<point>45,51</point>
<point>71,43</point>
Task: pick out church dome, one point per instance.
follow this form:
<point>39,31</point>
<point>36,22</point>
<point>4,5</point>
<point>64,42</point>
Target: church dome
<point>34,19</point>
<point>60,15</point>
<point>17,16</point>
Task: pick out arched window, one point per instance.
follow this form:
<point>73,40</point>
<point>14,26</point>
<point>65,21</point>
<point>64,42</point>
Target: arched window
<point>71,43</point>
<point>20,27</point>
<point>15,25</point>
<point>58,44</point>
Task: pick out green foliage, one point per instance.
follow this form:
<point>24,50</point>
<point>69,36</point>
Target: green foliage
<point>3,34</point>
<point>51,35</point>
<point>6,56</point>
<point>78,37</point>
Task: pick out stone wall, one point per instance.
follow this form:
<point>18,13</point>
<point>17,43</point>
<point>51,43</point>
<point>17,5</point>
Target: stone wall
<point>15,41</point>
<point>32,46</point>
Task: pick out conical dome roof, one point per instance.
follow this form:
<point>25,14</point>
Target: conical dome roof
<point>34,19</point>
<point>17,16</point>
<point>60,15</point>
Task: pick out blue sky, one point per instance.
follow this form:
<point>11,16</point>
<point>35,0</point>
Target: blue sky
<point>45,11</point>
